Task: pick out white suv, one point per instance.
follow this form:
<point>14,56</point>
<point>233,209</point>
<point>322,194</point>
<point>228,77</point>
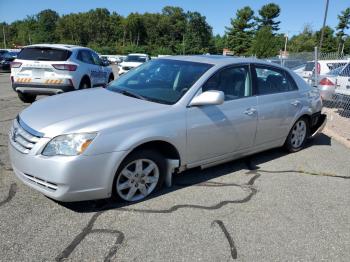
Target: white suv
<point>48,69</point>
<point>132,61</point>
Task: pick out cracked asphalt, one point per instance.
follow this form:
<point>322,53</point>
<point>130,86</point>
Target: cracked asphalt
<point>272,206</point>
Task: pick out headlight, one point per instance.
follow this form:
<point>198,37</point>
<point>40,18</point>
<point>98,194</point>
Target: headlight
<point>69,145</point>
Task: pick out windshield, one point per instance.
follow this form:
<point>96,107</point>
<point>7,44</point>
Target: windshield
<point>163,81</point>
<point>135,58</point>
<point>336,71</point>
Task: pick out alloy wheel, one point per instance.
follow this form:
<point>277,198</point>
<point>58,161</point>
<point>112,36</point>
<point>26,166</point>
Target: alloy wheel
<point>137,180</point>
<point>298,134</point>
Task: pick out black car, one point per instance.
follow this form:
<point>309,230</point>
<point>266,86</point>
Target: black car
<point>6,58</point>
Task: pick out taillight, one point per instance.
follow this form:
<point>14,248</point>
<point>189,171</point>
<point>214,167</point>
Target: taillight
<point>67,67</point>
<point>318,68</point>
<point>326,82</point>
<point>15,64</point>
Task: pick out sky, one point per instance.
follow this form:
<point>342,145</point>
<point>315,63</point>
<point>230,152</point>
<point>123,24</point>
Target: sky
<point>295,14</point>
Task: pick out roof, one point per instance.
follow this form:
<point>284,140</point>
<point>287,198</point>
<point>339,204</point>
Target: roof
<point>58,46</point>
<point>215,59</point>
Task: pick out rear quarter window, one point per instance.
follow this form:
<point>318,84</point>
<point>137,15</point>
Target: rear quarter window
<point>44,54</point>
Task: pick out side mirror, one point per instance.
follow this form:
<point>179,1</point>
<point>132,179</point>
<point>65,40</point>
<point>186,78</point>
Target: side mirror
<point>212,97</point>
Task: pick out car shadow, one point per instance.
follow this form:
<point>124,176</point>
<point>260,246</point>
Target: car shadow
<point>196,176</point>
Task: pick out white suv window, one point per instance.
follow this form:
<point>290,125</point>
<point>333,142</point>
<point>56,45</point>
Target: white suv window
<point>44,54</point>
<point>85,56</point>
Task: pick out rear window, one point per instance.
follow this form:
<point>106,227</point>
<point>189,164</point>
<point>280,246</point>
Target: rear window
<point>309,66</point>
<point>44,54</point>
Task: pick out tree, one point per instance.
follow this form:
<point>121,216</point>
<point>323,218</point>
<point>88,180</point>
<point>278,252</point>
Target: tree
<point>268,13</point>
<point>239,35</point>
<point>46,26</point>
<point>303,42</point>
<point>344,23</point>
<point>197,39</point>
<point>265,43</point>
<point>329,42</point>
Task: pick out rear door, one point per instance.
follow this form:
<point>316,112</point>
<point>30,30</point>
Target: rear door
<point>86,57</point>
<point>278,103</point>
<point>101,72</point>
<point>37,64</point>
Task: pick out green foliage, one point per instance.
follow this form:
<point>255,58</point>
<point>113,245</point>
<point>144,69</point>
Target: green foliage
<point>304,42</point>
<point>268,13</point>
<point>329,44</point>
<point>239,35</point>
<point>172,31</point>
<point>265,43</point>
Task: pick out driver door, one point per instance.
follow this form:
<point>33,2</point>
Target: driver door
<point>217,130</point>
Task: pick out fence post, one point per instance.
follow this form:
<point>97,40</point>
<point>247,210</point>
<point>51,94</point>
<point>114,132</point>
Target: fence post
<point>315,68</point>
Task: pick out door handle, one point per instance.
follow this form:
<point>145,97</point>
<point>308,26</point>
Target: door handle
<point>295,103</point>
<point>250,111</point>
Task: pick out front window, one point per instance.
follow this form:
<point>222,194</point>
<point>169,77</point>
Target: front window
<point>135,58</point>
<point>162,80</point>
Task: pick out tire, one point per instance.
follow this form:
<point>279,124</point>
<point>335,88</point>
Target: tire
<point>110,78</point>
<point>85,83</point>
<point>130,185</point>
<point>26,98</point>
<point>298,135</point>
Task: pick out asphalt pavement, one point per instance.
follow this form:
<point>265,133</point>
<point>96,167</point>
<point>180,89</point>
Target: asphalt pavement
<point>272,206</point>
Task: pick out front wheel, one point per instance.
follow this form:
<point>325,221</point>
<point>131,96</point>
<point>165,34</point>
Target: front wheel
<point>298,135</point>
<point>26,98</point>
<point>139,175</point>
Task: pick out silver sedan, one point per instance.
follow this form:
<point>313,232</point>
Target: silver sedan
<point>168,115</point>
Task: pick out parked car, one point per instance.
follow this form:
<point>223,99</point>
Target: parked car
<point>48,69</point>
<point>5,60</point>
<point>336,85</point>
<point>299,70</point>
<point>323,67</point>
<point>328,82</point>
<point>169,114</point>
<point>132,61</point>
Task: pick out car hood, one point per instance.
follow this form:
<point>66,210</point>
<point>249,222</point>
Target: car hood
<point>85,111</point>
<point>131,64</point>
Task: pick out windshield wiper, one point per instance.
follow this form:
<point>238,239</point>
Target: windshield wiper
<point>129,93</point>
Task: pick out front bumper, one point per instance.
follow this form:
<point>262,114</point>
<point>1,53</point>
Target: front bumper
<point>41,89</point>
<point>67,179</point>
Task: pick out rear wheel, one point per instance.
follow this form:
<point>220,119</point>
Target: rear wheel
<point>110,78</point>
<point>26,98</point>
<point>298,135</point>
<point>85,83</point>
<point>139,175</point>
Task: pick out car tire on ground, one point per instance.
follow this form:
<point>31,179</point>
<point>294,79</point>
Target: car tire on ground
<point>26,98</point>
<point>85,83</point>
<point>110,78</point>
<point>298,135</point>
<point>140,174</point>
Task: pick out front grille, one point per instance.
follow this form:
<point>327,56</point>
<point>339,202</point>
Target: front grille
<point>41,182</point>
<point>21,138</point>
